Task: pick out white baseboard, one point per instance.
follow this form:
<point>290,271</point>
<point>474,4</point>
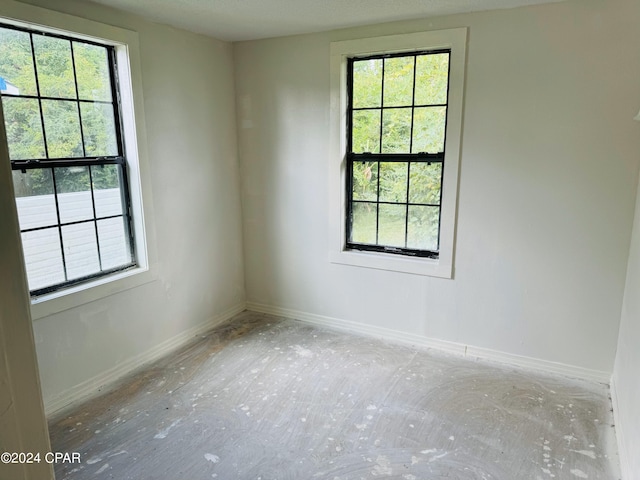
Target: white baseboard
<point>90,387</point>
<point>625,467</point>
<point>443,345</point>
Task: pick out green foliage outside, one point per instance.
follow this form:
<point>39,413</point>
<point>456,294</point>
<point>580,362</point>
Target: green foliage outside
<point>54,59</point>
<point>416,226</point>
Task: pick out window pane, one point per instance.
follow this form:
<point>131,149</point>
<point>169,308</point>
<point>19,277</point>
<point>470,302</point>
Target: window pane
<point>367,83</point>
<point>98,129</point>
<point>43,258</point>
<point>393,182</point>
<point>365,180</point>
<point>92,72</point>
<point>363,223</point>
<point>392,224</point>
<point>425,181</point>
<point>114,245</point>
<point>74,194</point>
<point>106,190</point>
<point>24,128</point>
<point>366,131</point>
<point>34,198</point>
<point>62,126</point>
<point>428,129</point>
<point>80,250</point>
<point>16,63</point>
<point>396,130</point>
<point>398,81</point>
<point>55,70</point>
<point>423,228</point>
<point>432,75</point>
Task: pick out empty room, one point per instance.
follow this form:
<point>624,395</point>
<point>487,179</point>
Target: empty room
<point>290,239</point>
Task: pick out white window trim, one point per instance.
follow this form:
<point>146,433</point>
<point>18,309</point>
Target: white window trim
<point>134,137</point>
<point>456,40</point>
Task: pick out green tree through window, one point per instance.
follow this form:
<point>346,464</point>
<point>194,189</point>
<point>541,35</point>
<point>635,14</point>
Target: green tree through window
<point>397,117</point>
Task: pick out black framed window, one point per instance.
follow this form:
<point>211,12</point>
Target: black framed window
<point>62,117</point>
<point>396,125</point>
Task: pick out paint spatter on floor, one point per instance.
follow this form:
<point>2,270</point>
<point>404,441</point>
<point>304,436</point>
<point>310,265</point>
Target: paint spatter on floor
<point>102,469</point>
<point>586,453</point>
<point>162,434</point>
<point>121,452</point>
<point>438,457</point>
<point>302,352</point>
<point>579,473</point>
<point>338,407</point>
<point>382,467</point>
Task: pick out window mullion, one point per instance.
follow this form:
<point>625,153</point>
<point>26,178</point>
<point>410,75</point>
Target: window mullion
<point>35,74</point>
<point>126,209</point>
<point>55,196</point>
<point>95,216</point>
<point>413,111</point>
<point>115,99</point>
<point>75,82</point>
<point>380,151</point>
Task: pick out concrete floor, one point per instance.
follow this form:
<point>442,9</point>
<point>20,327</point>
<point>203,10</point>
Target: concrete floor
<point>268,398</point>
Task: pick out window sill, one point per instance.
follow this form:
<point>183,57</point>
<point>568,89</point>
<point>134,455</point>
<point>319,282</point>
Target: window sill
<point>395,263</point>
<point>52,303</point>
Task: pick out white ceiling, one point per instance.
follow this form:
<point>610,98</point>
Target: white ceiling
<point>235,20</point>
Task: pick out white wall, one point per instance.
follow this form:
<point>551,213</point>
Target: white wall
<point>548,180</point>
<point>625,380</point>
<point>190,117</point>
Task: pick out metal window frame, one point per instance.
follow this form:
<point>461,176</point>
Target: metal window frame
<point>409,158</point>
<point>84,161</point>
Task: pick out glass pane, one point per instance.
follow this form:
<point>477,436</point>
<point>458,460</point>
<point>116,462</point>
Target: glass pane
<point>24,128</point>
<point>55,70</point>
<point>432,75</point>
<point>423,228</point>
<point>80,250</point>
<point>396,130</point>
<point>43,258</point>
<point>62,125</point>
<point>98,129</point>
<point>16,63</point>
<point>92,72</point>
<point>367,83</point>
<point>74,194</point>
<point>393,182</point>
<point>106,190</point>
<point>34,198</point>
<point>363,223</point>
<point>114,246</point>
<point>366,131</point>
<point>391,225</point>
<point>398,81</point>
<point>428,129</point>
<point>424,183</point>
<point>365,180</point>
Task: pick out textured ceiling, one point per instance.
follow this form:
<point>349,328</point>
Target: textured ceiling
<point>236,20</point>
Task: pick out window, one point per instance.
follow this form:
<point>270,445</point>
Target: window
<point>397,115</point>
<point>62,118</point>
<point>66,87</point>
<point>396,118</point>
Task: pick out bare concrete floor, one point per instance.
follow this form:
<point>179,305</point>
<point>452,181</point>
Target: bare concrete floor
<point>268,398</point>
